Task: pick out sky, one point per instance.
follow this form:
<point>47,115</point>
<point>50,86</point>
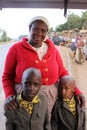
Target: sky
<point>15,21</point>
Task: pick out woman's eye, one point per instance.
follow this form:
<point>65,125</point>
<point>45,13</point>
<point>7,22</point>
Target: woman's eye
<point>35,29</point>
<point>43,31</point>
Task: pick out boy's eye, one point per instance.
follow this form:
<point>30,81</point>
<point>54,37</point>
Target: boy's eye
<point>29,84</point>
<point>66,88</point>
<point>26,83</point>
<point>36,84</point>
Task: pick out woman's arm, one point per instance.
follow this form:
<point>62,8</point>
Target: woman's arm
<point>8,77</point>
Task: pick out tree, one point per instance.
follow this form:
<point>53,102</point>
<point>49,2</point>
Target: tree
<point>73,21</point>
<point>50,30</point>
<point>84,16</point>
<point>62,27</point>
<point>84,20</point>
<point>3,36</point>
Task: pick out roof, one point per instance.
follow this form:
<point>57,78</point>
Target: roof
<point>70,4</point>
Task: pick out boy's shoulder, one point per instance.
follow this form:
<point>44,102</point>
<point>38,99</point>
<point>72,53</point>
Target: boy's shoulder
<point>11,113</point>
<point>42,98</point>
<point>58,102</point>
<point>59,99</point>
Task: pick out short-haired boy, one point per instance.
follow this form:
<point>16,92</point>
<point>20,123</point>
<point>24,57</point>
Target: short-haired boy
<point>32,110</point>
<point>67,113</point>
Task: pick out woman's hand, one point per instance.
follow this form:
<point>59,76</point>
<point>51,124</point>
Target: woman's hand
<point>81,100</point>
<point>10,103</point>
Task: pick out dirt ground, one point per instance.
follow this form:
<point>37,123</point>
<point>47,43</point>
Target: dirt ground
<point>79,71</point>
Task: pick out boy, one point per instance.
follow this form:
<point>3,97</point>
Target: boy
<point>67,113</point>
<point>32,110</point>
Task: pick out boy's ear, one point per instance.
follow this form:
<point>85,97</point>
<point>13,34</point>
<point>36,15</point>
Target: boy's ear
<point>74,89</point>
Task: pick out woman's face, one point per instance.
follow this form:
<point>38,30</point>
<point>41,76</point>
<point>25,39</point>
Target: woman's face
<point>38,31</point>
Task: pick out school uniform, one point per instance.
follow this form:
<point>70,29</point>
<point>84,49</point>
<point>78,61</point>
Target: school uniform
<point>22,118</point>
<point>65,119</point>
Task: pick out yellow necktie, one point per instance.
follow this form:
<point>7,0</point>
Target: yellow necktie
<point>28,106</point>
<point>72,104</point>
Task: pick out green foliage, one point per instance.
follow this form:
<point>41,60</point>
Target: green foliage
<point>84,16</point>
<point>62,27</point>
<point>84,19</point>
<point>74,21</point>
<point>50,30</point>
<point>3,36</point>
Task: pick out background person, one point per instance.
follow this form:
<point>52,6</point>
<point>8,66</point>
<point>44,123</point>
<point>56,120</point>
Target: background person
<point>39,52</point>
<point>73,47</point>
<point>67,114</point>
<point>79,56</point>
<point>32,109</point>
<point>85,50</point>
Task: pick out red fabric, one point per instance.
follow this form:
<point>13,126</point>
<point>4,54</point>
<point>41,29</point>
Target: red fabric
<point>21,56</point>
<point>77,91</point>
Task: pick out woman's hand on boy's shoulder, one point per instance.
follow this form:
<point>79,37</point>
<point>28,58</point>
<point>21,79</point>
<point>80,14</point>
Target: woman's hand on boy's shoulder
<point>10,103</point>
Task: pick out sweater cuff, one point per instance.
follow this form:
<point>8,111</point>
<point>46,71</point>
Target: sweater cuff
<point>8,92</point>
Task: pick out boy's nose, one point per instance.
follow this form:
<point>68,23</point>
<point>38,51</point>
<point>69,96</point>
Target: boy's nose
<point>31,87</point>
<point>63,91</point>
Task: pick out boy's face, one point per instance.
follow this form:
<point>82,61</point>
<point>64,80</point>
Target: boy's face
<point>31,85</point>
<point>67,89</point>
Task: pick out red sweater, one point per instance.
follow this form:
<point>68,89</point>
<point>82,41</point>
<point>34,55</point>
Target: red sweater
<point>21,56</point>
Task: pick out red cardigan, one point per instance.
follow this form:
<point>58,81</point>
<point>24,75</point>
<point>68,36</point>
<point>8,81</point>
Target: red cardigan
<point>21,56</point>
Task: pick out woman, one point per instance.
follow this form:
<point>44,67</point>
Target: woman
<point>37,52</point>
